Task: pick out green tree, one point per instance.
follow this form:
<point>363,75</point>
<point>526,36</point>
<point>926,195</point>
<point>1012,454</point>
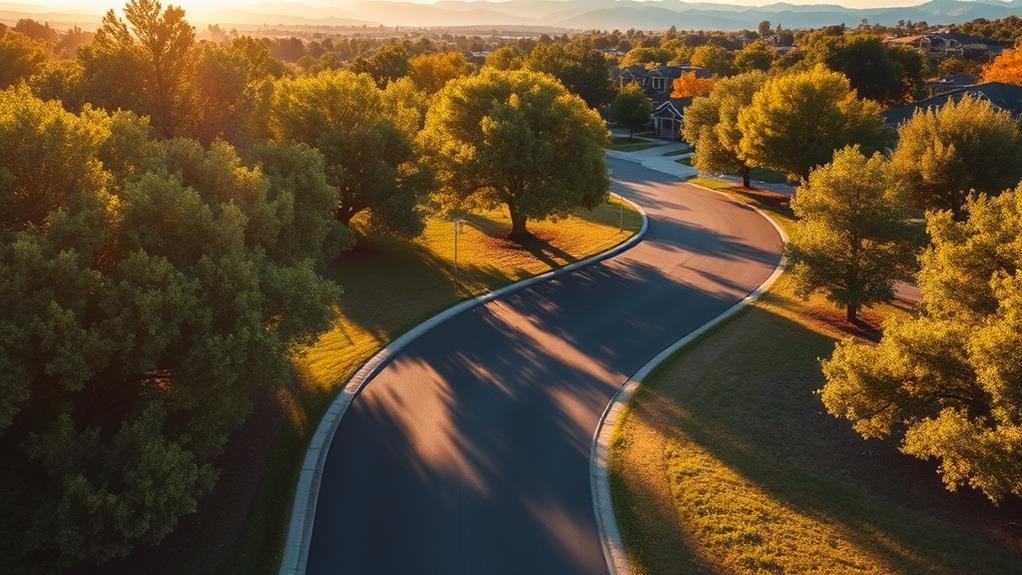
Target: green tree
<point>431,72</point>
<point>711,124</point>
<point>38,31</point>
<point>20,58</point>
<point>504,58</point>
<point>886,73</point>
<point>518,139</point>
<point>716,59</point>
<point>150,288</point>
<point>370,157</point>
<point>796,121</point>
<point>141,64</point>
<point>631,108</point>
<point>59,79</point>
<point>756,56</point>
<point>643,55</point>
<point>853,238</point>
<point>583,70</point>
<point>946,383</point>
<point>944,154</point>
<point>386,64</point>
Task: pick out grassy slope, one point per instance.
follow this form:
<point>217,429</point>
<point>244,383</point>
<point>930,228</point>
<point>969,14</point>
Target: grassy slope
<point>390,286</point>
<point>727,462</point>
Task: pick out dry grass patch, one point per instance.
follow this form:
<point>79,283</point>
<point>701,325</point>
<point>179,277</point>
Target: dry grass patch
<point>726,462</point>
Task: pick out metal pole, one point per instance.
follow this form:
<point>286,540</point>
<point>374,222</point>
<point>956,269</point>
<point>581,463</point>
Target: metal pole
<point>621,214</point>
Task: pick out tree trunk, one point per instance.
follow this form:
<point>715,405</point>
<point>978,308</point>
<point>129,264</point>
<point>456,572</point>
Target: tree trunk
<point>747,177</point>
<point>852,313</point>
<point>518,220</point>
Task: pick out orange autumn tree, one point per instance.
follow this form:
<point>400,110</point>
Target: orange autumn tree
<point>690,86</point>
<point>1005,68</point>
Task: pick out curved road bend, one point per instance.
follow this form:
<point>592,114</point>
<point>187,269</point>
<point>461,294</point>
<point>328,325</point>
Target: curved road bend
<point>469,453</point>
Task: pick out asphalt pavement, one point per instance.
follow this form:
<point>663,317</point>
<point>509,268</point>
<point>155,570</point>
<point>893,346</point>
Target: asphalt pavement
<point>469,452</point>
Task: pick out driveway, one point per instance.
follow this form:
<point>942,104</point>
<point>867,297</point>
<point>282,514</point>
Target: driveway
<point>469,452</point>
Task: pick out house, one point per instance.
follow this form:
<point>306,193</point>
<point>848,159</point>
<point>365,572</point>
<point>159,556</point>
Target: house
<point>657,81</point>
<point>941,45</point>
<point>950,83</point>
<point>1002,96</point>
<point>668,117</point>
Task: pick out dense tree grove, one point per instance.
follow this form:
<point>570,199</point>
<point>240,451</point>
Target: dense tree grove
<point>149,288</point>
<point>946,384</point>
<point>518,139</point>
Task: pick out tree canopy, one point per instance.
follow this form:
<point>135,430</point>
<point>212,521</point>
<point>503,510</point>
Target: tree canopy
<point>631,108</point>
<point>797,120</point>
<point>889,74</point>
<point>945,154</point>
<point>716,59</point>
<point>1007,68</point>
<point>519,139</point>
<point>370,157</point>
<point>711,124</point>
<point>140,64</point>
<point>431,72</point>
<point>853,238</point>
<point>582,69</point>
<point>946,384</point>
<point>150,288</point>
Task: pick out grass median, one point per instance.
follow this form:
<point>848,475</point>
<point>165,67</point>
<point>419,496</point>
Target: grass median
<point>727,462</point>
<point>627,144</point>
<point>390,285</point>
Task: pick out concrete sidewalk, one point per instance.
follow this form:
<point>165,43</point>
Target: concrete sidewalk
<point>654,159</point>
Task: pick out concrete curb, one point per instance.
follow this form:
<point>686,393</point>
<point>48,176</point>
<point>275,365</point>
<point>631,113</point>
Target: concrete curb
<point>303,509</point>
<point>599,473</point>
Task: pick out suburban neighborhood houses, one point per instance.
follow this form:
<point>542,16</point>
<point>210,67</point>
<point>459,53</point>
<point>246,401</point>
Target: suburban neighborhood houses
<point>531,286</point>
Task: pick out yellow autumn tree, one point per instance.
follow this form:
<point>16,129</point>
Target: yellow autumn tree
<point>690,86</point>
<point>1005,68</point>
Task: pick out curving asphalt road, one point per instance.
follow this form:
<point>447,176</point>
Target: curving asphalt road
<point>469,452</point>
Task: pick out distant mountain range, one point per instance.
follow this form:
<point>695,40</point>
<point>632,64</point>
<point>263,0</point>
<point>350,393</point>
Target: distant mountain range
<point>569,14</point>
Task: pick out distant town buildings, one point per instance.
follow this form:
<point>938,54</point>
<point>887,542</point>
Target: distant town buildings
<point>945,44</point>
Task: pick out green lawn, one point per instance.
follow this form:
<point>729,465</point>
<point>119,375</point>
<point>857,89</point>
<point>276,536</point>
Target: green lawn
<point>390,285</point>
<point>726,462</point>
<point>626,144</point>
<point>757,174</point>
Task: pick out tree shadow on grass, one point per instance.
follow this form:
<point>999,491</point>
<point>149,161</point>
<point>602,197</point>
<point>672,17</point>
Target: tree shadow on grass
<point>760,419</point>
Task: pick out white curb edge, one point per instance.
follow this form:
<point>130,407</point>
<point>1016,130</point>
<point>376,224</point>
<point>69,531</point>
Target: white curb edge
<point>306,495</point>
<point>599,473</point>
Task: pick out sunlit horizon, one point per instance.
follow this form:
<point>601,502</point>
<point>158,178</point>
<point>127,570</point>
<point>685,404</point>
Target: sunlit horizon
<point>200,6</point>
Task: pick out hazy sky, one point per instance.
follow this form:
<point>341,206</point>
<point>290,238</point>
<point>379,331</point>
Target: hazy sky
<point>207,4</point>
